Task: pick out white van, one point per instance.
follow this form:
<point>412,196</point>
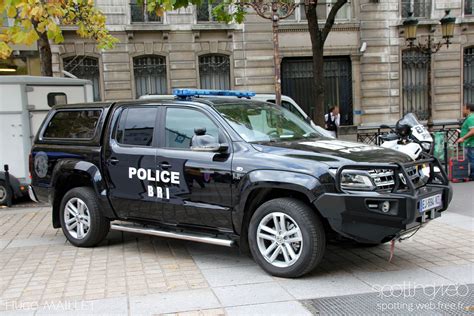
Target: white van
<point>286,102</point>
<point>24,103</point>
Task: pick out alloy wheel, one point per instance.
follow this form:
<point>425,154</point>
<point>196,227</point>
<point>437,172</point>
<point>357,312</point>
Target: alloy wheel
<point>77,218</point>
<point>279,239</point>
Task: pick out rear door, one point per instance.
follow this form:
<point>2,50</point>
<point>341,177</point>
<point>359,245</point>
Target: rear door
<point>130,159</point>
<point>200,191</point>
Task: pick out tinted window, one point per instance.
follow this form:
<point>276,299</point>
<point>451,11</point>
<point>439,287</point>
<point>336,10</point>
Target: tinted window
<point>136,126</point>
<point>180,125</point>
<point>73,124</point>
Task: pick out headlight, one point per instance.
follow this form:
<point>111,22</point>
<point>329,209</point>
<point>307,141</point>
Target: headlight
<point>356,180</point>
<point>426,146</point>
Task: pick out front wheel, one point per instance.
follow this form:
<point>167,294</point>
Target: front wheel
<point>82,222</point>
<point>286,237</point>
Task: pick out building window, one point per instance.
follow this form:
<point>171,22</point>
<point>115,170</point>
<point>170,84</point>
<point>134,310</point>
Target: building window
<point>420,8</point>
<point>140,14</point>
<point>468,6</point>
<point>323,8</point>
<point>150,75</point>
<point>415,82</point>
<point>214,71</point>
<point>85,67</point>
<point>204,10</point>
<point>469,75</point>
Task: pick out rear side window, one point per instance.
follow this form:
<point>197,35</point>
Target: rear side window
<point>136,126</point>
<point>73,124</point>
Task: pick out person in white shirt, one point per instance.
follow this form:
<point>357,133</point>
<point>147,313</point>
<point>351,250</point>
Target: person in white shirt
<point>333,120</point>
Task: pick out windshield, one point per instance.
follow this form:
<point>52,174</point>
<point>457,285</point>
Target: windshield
<point>409,119</point>
<point>262,122</point>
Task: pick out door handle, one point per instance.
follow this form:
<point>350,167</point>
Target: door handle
<point>113,161</point>
<point>165,165</point>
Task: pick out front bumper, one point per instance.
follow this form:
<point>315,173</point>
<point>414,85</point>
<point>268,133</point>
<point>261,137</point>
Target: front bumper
<point>354,216</point>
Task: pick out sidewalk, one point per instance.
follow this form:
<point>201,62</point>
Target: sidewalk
<point>139,275</point>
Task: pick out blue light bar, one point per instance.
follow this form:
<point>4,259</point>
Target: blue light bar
<point>185,93</point>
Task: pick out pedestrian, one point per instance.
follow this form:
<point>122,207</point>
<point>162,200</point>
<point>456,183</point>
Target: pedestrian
<point>467,135</point>
<point>332,120</point>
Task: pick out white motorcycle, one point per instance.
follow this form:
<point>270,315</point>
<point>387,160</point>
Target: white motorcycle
<point>409,137</point>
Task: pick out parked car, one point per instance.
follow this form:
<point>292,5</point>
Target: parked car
<point>225,171</point>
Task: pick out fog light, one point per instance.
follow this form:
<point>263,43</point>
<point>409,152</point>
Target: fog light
<point>386,206</point>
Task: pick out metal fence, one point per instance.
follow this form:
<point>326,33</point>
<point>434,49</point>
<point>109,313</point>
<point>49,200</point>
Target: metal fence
<point>370,135</point>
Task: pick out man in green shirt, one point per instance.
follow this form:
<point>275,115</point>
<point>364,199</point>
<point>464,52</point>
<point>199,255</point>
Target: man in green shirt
<point>467,135</point>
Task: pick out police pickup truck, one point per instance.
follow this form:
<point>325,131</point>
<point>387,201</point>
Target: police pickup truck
<point>226,171</point>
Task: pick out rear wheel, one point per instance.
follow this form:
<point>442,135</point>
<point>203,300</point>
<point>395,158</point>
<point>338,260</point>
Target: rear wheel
<point>5,193</point>
<point>286,237</point>
<point>82,222</point>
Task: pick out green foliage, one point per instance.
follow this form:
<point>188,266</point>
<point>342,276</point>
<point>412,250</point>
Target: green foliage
<point>34,17</point>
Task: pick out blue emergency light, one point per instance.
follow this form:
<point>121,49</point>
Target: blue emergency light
<point>186,93</point>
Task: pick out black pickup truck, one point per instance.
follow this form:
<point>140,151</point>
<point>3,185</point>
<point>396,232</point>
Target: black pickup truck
<point>226,171</point>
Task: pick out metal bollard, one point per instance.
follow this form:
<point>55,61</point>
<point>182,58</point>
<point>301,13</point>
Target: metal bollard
<point>7,182</point>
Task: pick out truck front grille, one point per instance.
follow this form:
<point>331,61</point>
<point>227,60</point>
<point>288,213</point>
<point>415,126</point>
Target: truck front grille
<point>383,179</point>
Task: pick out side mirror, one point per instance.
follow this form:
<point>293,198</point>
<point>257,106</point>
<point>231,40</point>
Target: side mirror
<point>206,143</point>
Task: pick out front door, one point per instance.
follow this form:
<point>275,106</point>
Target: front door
<point>196,186</point>
<point>131,162</point>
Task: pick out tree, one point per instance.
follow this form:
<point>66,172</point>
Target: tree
<point>318,36</point>
<point>40,21</point>
<point>234,10</point>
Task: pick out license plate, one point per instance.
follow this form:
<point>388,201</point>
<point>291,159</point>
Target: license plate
<point>431,202</point>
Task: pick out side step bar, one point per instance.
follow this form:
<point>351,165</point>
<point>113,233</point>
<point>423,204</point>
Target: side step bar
<point>132,228</point>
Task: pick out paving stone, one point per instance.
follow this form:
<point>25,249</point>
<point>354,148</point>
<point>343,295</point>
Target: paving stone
<point>235,276</point>
<point>251,294</point>
<point>173,302</point>
<point>324,284</point>
<point>270,309</point>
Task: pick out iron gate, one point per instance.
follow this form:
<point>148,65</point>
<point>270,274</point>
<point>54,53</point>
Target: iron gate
<point>297,83</point>
<point>415,82</point>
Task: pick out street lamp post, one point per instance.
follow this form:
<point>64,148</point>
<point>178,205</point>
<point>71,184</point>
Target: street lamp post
<point>274,10</point>
<point>430,47</point>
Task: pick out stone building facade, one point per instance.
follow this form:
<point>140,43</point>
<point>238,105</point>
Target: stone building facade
<point>369,71</point>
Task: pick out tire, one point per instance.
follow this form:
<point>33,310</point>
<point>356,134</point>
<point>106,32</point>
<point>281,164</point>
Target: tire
<point>83,202</point>
<point>309,242</point>
<point>5,193</point>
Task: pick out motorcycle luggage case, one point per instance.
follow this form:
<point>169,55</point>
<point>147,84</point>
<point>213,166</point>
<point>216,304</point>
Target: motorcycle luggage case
<point>459,167</point>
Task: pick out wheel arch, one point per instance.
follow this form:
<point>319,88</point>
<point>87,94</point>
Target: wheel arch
<point>257,188</point>
<point>71,173</point>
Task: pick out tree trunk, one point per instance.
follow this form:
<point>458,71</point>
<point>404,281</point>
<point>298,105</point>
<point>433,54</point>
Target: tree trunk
<point>46,58</point>
<point>317,46</point>
<point>318,81</point>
